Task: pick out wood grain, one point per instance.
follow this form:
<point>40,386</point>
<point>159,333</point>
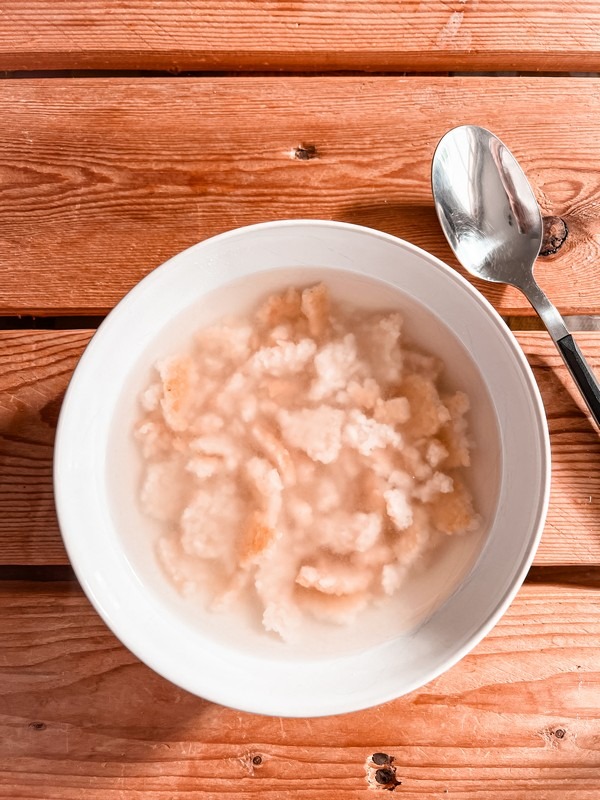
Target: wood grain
<point>35,367</point>
<point>572,533</point>
<point>517,719</point>
<point>429,35</point>
<point>102,180</point>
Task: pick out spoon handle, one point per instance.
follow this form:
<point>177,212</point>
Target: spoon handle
<point>583,376</point>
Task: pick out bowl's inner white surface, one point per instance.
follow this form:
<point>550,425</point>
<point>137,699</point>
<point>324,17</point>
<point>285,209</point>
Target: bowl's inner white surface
<point>425,590</point>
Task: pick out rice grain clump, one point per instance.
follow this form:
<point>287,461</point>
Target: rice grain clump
<point>308,457</point>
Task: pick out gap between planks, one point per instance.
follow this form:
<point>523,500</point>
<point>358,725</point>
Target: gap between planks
<point>34,74</point>
<point>586,322</point>
<point>548,575</point>
<point>575,323</point>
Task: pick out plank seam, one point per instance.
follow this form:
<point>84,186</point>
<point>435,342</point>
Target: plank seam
<point>61,74</point>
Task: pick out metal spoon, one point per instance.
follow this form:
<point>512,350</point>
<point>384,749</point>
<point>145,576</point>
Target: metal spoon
<point>492,221</point>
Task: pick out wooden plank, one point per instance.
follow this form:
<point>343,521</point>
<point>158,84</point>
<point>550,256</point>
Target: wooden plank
<point>429,35</point>
<point>517,719</point>
<point>35,367</point>
<point>102,180</point>
<point>572,533</point>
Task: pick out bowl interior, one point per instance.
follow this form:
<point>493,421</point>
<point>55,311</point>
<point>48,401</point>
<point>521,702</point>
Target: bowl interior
<point>439,614</point>
<point>426,588</point>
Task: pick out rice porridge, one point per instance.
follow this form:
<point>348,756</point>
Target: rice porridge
<point>306,456</point>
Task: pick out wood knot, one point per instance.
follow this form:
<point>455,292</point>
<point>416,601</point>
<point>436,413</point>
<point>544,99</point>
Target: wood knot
<point>560,733</point>
<point>305,152</point>
<point>37,726</point>
<point>257,761</point>
<point>554,235</point>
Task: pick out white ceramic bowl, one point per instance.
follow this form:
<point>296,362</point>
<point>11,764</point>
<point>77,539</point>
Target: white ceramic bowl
<point>390,651</point>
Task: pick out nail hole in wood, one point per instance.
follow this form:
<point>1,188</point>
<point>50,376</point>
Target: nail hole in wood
<point>386,777</point>
<point>305,152</point>
<point>554,235</point>
<point>381,758</point>
<point>257,761</point>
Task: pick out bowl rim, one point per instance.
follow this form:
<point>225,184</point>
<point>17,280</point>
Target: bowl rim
<point>70,536</point>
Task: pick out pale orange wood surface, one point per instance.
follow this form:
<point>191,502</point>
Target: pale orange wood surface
<point>102,180</point>
<point>35,367</point>
<point>426,35</point>
<point>80,717</point>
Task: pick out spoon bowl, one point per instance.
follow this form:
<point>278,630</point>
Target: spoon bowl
<point>486,206</point>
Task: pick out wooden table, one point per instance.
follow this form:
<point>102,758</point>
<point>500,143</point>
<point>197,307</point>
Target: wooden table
<point>130,130</point>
